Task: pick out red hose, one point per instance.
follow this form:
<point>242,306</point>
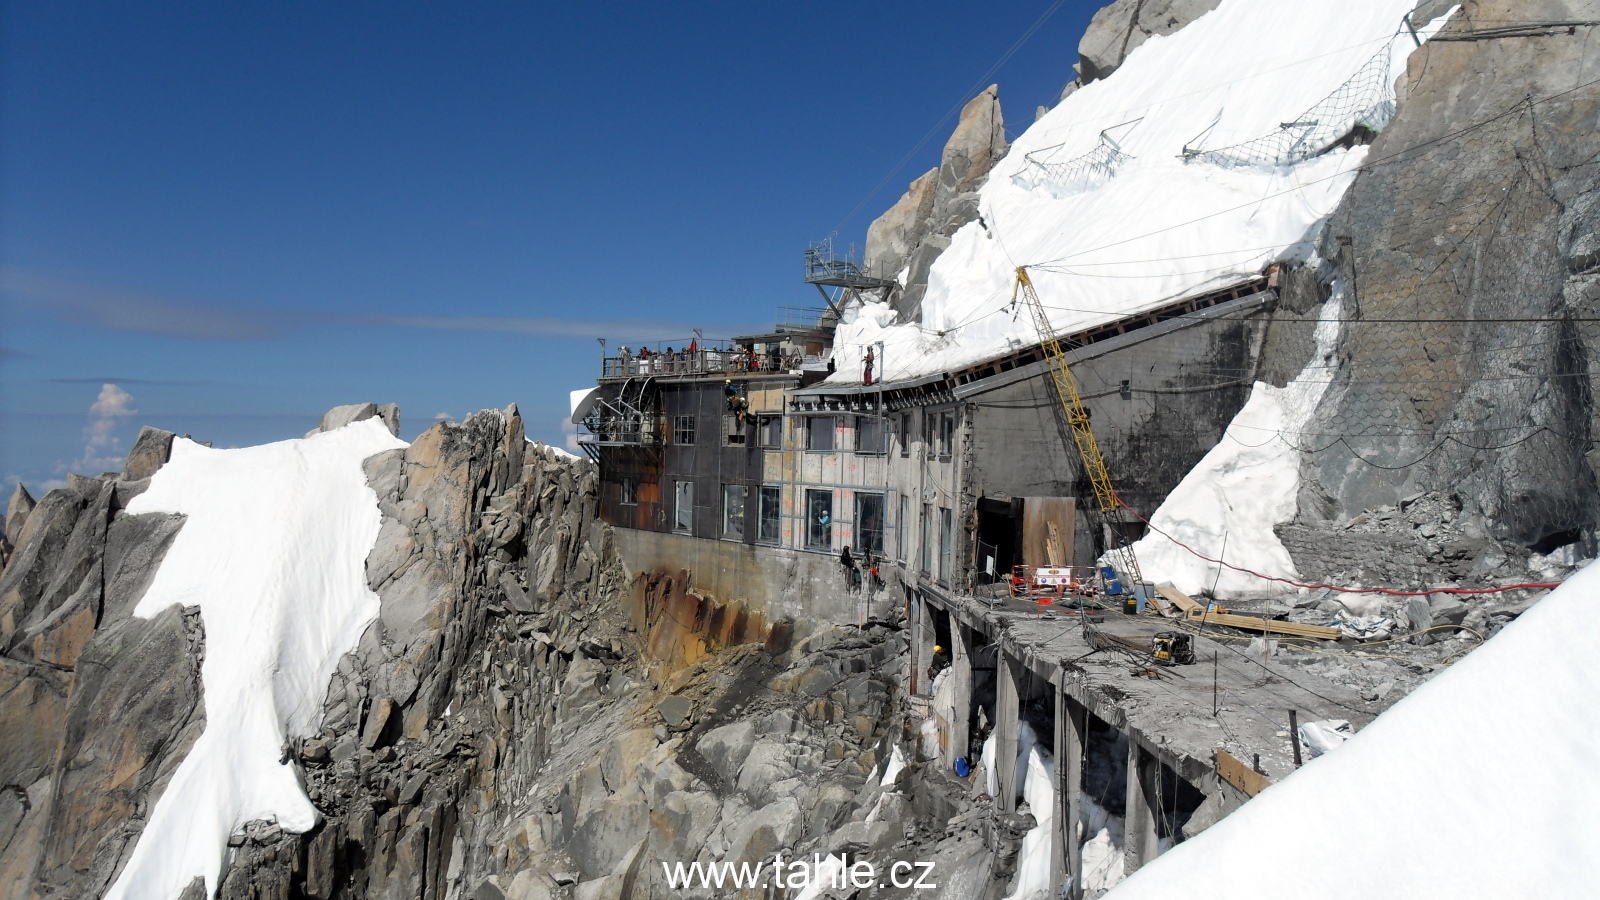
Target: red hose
<point>1345,590</point>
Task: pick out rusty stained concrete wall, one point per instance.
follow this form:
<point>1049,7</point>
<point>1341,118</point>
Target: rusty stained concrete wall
<point>773,584</point>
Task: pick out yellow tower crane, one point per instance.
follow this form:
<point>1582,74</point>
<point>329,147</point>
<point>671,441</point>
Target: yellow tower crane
<point>1094,464</point>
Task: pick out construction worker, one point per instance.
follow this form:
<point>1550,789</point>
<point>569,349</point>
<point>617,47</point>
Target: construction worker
<point>851,573</point>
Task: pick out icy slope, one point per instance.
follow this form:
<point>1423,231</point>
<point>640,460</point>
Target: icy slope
<point>274,553</point>
<point>1105,246</point>
<point>1481,783</point>
<point>1227,505</point>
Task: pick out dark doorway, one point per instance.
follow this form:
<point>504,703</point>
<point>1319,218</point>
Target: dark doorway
<point>1000,527</point>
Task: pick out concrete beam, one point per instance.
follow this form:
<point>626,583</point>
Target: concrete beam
<point>1007,719</point>
<point>1066,853</point>
<point>961,674</point>
<point>1140,834</point>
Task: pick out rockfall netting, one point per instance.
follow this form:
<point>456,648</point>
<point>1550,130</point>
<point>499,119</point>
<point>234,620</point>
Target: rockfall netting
<point>1352,114</point>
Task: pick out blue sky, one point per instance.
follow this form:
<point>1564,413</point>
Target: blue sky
<point>243,214</point>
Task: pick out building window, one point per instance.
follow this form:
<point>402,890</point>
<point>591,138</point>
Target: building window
<point>869,523</point>
<point>945,541</point>
<point>819,433</point>
<point>902,529</point>
<point>630,491</point>
<point>732,431</point>
<point>869,434</point>
<point>928,418</point>
<point>683,429</point>
<point>683,507</point>
<point>819,520</point>
<point>905,434</point>
<point>771,509</point>
<point>925,549</point>
<point>733,500</point>
<point>947,433</point>
<point>769,431</point>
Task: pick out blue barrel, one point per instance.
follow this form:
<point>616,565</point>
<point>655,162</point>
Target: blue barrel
<point>1113,584</point>
<point>962,769</point>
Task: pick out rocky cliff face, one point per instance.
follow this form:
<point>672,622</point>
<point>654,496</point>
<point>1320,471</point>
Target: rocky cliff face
<point>912,233</point>
<point>1469,241</point>
<point>96,707</point>
<point>520,721</point>
<point>1118,29</point>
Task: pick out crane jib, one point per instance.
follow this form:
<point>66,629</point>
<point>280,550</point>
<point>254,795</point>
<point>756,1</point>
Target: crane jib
<point>1094,464</point>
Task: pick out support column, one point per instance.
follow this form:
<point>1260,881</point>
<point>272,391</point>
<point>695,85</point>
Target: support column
<point>924,656</point>
<point>1006,721</point>
<point>917,665</point>
<point>961,673</point>
<point>1140,832</point>
<point>1066,852</point>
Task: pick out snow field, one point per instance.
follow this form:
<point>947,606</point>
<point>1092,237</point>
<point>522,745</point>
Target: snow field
<point>1227,505</point>
<point>274,553</point>
<point>1160,229</point>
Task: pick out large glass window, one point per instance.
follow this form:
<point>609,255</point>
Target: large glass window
<point>819,520</point>
<point>683,429</point>
<point>869,523</point>
<point>683,506</point>
<point>869,434</point>
<point>947,433</point>
<point>733,501</point>
<point>770,431</point>
<point>630,491</point>
<point>771,510</point>
<point>925,548</point>
<point>819,433</point>
<point>946,539</point>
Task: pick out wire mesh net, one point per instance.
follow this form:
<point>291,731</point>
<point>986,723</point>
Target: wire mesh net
<point>1357,109</point>
<point>1074,176</point>
<point>1079,174</point>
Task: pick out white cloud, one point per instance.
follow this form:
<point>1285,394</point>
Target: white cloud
<point>571,432</point>
<point>103,450</point>
<point>444,417</point>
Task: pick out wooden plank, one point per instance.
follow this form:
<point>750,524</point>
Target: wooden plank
<point>1272,626</point>
<point>1240,775</point>
<point>1180,600</point>
<point>1038,514</point>
<point>1196,612</point>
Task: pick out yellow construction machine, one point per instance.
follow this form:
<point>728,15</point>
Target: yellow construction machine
<point>1106,510</point>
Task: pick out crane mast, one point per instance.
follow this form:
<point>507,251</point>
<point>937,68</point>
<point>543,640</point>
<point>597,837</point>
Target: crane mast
<point>1094,464</point>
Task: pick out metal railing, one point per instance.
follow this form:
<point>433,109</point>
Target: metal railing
<point>806,317</point>
<point>621,430</point>
<point>700,362</point>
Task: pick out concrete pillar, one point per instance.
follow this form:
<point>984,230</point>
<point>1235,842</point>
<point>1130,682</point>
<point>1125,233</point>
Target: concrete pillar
<point>1141,839</point>
<point>1006,721</point>
<point>961,675</point>
<point>917,666</point>
<point>1066,852</point>
<point>923,658</point>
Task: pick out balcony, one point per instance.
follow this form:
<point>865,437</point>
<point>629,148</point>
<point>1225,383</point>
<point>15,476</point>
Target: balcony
<point>719,363</point>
